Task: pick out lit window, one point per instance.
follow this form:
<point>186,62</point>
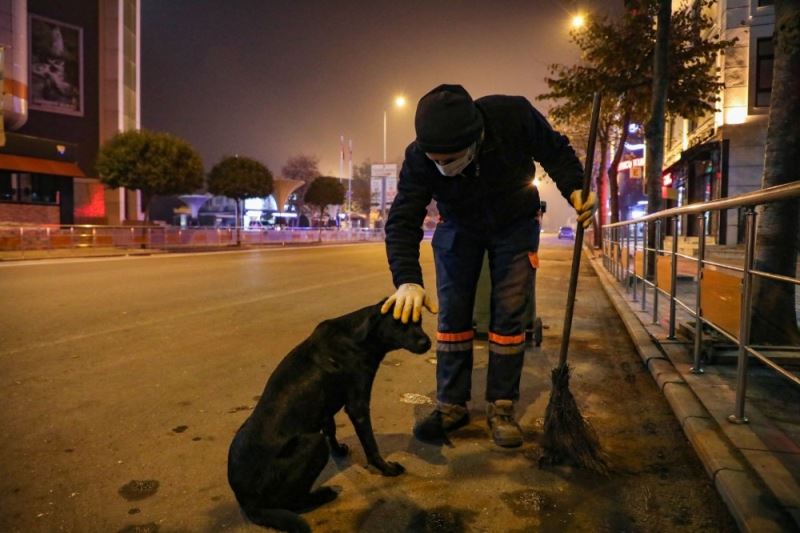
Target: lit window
<point>765,55</point>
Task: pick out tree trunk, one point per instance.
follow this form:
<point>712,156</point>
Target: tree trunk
<point>654,130</point>
<point>146,201</point>
<point>778,236</point>
<point>598,220</point>
<point>613,169</point>
<point>237,223</point>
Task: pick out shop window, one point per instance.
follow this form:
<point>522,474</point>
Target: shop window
<point>29,188</point>
<point>765,55</point>
<point>8,187</point>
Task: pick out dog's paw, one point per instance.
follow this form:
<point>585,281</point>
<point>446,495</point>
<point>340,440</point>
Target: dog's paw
<point>340,451</point>
<point>391,469</point>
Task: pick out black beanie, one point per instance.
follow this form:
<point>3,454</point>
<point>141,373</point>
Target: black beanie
<point>447,120</point>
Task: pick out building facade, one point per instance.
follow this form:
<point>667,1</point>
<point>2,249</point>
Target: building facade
<point>722,154</point>
<point>70,81</point>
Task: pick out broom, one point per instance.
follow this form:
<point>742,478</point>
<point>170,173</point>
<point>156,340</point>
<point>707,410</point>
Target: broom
<point>568,437</point>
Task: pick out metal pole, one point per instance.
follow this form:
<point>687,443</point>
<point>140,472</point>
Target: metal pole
<point>635,246</point>
<point>673,286</point>
<point>697,367</point>
<point>627,277</point>
<point>645,264</point>
<point>383,178</point>
<point>656,246</point>
<point>744,318</point>
<point>384,135</point>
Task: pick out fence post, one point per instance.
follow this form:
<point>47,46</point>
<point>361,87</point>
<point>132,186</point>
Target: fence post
<point>656,247</point>
<point>635,246</point>
<point>626,276</point>
<point>645,263</point>
<point>744,321</point>
<point>697,367</point>
<point>673,286</point>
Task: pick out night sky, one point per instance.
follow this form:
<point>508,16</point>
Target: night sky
<point>272,79</point>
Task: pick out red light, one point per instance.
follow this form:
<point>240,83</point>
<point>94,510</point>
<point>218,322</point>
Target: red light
<point>667,179</point>
<point>95,207</point>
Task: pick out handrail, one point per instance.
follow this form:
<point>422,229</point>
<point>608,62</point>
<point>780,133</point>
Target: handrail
<point>617,244</point>
<point>761,196</point>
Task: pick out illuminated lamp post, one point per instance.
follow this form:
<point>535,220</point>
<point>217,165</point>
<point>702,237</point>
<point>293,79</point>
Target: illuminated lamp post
<point>399,102</point>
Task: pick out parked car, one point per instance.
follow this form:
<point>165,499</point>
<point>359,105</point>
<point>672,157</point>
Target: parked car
<point>566,232</point>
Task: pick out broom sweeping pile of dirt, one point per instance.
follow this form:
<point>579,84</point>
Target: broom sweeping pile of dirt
<point>568,437</point>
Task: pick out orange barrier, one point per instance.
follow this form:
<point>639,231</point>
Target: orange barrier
<point>720,298</point>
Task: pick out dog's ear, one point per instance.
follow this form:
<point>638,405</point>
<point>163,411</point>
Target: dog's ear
<point>368,321</point>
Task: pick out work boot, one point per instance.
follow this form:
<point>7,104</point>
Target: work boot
<point>505,430</point>
<point>445,418</point>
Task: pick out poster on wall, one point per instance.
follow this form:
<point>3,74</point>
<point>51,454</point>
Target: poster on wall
<point>56,69</point>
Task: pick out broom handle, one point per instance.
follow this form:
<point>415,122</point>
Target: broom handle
<point>576,253</point>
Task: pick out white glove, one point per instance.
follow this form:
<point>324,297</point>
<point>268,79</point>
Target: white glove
<point>585,209</point>
<point>408,300</point>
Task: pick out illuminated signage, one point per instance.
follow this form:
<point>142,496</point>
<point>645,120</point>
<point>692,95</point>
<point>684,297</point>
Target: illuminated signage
<point>630,163</point>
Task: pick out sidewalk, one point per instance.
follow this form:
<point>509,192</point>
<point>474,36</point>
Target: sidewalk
<point>656,482</point>
<point>755,466</point>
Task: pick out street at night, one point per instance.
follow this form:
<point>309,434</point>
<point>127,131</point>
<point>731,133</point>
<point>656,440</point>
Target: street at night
<point>141,369</point>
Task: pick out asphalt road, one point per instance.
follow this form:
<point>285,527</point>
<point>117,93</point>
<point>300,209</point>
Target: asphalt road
<point>123,381</point>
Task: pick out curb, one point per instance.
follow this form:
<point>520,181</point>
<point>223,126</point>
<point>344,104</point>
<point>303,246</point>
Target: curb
<point>752,505</point>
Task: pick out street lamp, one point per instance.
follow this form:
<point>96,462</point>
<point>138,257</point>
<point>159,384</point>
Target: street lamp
<point>399,102</point>
<point>578,21</point>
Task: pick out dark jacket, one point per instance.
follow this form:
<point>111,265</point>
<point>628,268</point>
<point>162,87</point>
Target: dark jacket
<point>494,191</point>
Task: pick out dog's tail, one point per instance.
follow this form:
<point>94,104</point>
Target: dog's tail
<point>281,519</point>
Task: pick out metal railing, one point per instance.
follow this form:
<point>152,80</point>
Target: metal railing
<point>29,238</point>
<point>627,253</point>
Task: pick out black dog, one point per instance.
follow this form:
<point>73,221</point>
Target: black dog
<point>280,449</point>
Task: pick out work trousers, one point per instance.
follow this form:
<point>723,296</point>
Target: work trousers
<point>458,255</point>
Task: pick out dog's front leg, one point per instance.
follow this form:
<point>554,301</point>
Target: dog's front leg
<point>357,409</point>
<point>329,430</point>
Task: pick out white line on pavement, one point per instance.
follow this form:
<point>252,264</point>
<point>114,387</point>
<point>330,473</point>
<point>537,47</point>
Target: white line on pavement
<point>195,312</point>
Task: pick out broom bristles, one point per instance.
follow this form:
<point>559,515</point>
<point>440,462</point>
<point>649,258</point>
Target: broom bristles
<point>568,438</point>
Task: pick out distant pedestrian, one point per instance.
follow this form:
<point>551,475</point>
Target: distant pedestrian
<point>476,159</point>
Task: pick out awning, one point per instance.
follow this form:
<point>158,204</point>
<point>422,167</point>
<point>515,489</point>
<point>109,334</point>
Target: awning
<point>21,163</point>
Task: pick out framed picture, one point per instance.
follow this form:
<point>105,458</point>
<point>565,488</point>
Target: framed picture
<point>56,69</point>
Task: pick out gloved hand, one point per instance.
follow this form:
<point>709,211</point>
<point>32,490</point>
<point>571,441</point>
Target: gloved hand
<point>585,209</point>
<point>408,300</point>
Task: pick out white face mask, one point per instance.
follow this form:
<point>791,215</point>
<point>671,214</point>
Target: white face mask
<point>455,167</point>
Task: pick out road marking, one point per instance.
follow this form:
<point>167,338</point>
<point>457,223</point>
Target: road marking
<point>144,323</point>
<point>167,255</point>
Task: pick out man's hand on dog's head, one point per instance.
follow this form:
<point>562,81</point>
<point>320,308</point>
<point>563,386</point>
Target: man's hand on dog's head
<point>408,301</point>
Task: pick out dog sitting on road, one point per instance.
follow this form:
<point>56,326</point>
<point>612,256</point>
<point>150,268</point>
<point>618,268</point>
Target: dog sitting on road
<point>281,448</point>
